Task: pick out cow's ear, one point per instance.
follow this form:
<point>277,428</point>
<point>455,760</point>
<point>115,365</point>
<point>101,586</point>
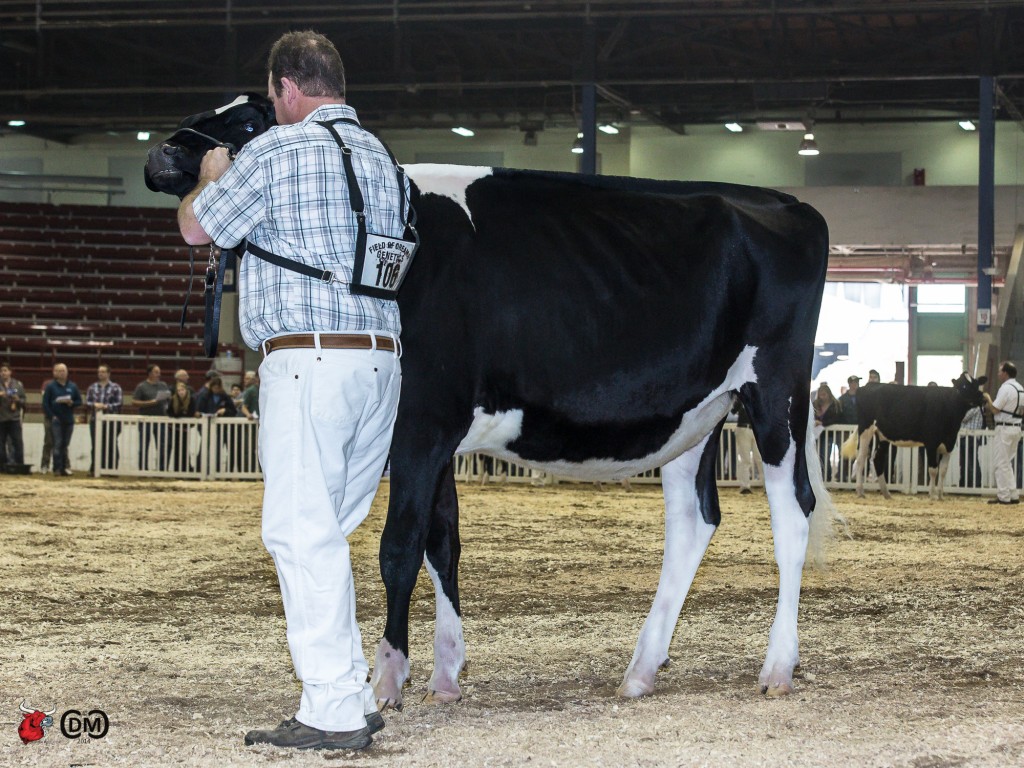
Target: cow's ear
<point>981,381</point>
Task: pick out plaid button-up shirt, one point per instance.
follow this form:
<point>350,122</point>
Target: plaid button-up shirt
<point>286,192</point>
<point>109,393</point>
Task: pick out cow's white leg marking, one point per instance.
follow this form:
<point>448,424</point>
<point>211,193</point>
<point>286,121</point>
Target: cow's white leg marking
<point>449,646</point>
<point>390,671</point>
<point>863,453</point>
<point>943,468</point>
<point>789,530</point>
<point>686,539</point>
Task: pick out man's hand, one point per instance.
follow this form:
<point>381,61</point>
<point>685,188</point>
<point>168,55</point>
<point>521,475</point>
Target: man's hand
<point>215,164</point>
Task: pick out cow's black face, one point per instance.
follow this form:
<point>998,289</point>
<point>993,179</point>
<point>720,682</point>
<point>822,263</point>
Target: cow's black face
<point>970,388</point>
<point>173,164</point>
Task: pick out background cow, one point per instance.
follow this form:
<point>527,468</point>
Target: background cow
<point>911,416</point>
<point>599,327</point>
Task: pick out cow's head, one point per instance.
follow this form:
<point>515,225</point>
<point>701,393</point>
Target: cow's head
<point>33,722</point>
<point>173,164</point>
<point>969,388</point>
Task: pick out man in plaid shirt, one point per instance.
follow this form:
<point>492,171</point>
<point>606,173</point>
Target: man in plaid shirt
<point>331,376</point>
<point>104,396</point>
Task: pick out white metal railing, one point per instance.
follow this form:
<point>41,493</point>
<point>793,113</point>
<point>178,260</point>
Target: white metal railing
<point>215,448</point>
<point>202,447</point>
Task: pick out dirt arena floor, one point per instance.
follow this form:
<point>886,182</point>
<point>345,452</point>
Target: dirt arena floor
<point>157,603</point>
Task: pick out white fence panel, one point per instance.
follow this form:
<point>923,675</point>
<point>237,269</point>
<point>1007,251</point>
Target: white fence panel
<point>213,448</point>
<point>202,448</point>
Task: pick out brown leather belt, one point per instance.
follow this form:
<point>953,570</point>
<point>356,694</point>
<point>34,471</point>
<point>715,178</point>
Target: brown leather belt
<point>329,341</point>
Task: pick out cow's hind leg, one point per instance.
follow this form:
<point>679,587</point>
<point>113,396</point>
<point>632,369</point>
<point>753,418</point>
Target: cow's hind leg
<point>884,451</point>
<point>442,562</point>
<point>416,477</point>
<point>691,516</point>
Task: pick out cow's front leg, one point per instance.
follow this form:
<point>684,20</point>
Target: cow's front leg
<point>691,516</point>
<point>414,485</point>
<point>789,531</point>
<point>442,562</point>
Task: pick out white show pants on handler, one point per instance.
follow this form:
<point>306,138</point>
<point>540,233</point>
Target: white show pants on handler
<point>1004,452</point>
<point>326,418</point>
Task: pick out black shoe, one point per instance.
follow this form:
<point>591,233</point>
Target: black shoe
<point>374,722</point>
<point>292,733</point>
<point>745,491</point>
<point>997,501</point>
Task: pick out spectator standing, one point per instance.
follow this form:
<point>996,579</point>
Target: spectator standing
<point>181,375</point>
<point>182,405</point>
<point>212,400</point>
<point>151,398</point>
<point>971,448</point>
<point>874,377</point>
<point>827,411</point>
<point>12,410</point>
<point>746,448</point>
<point>44,460</point>
<point>324,433</point>
<point>104,396</point>
<point>1007,409</point>
<point>848,401</point>
<point>59,402</point>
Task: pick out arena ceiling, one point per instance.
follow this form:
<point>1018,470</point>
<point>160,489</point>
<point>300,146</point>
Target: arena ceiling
<point>72,67</point>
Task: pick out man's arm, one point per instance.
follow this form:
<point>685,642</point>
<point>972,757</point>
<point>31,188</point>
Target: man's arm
<point>215,163</point>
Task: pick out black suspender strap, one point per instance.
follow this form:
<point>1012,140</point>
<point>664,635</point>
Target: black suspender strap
<point>215,268</point>
<point>324,275</point>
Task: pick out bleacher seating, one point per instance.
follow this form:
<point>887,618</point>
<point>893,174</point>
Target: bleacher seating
<point>84,284</point>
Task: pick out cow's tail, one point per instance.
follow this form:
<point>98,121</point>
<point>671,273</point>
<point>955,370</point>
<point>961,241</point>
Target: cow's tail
<point>849,449</point>
<point>825,517</point>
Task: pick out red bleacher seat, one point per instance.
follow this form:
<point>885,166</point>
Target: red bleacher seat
<point>104,283</point>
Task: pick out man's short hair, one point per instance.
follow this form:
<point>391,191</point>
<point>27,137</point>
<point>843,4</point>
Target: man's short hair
<point>150,367</point>
<point>1010,368</point>
<point>873,371</point>
<point>309,60</point>
<point>7,366</point>
<point>103,365</point>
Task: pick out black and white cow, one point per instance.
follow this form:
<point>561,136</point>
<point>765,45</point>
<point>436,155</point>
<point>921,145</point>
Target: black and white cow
<point>598,327</point>
<point>912,416</point>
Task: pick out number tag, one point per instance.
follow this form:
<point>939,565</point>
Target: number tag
<point>382,266</point>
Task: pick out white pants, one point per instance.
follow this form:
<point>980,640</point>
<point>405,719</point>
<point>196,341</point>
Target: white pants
<point>326,418</point>
<point>747,456</point>
<point>1004,453</point>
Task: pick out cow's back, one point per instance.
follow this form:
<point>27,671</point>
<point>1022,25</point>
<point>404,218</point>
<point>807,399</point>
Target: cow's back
<point>609,271</point>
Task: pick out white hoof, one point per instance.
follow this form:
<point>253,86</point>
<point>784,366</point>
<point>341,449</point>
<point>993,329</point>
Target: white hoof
<point>390,672</point>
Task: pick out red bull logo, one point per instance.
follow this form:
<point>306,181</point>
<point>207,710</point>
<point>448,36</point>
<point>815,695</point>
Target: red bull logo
<point>33,723</point>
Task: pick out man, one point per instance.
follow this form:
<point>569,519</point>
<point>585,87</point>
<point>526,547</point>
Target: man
<point>874,377</point>
<point>1007,409</point>
<point>59,402</point>
<point>848,401</point>
<point>104,396</point>
<point>182,376</point>
<point>151,398</point>
<point>12,409</point>
<point>331,375</point>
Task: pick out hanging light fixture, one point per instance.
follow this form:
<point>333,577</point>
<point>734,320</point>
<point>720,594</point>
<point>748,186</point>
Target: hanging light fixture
<point>808,146</point>
<point>577,146</point>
